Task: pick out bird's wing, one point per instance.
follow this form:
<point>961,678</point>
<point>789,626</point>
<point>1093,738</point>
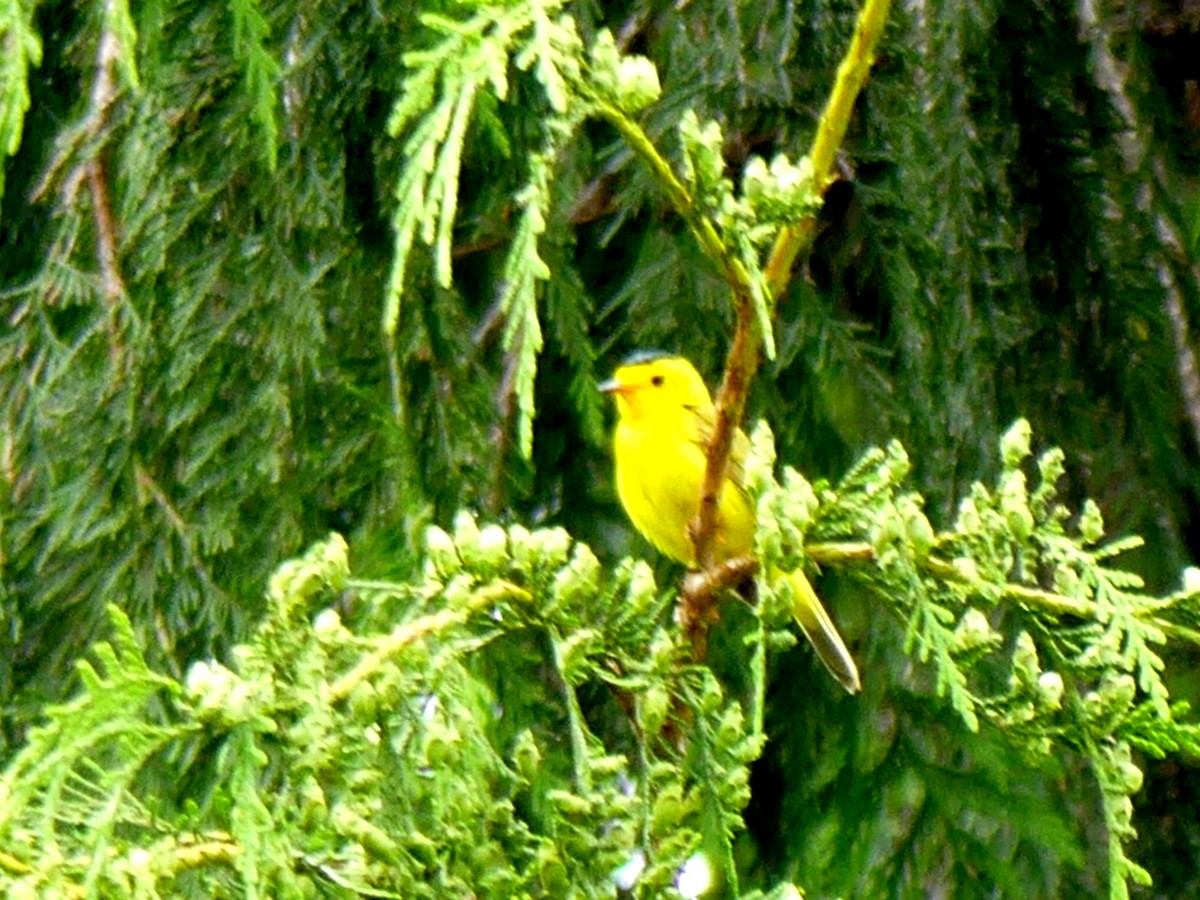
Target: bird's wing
<point>704,419</point>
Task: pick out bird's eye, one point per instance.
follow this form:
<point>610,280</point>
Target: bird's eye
<point>657,381</point>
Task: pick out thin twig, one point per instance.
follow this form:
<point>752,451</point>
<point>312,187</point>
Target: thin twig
<point>104,92</point>
<point>106,250</point>
<point>852,75</point>
<point>1059,604</point>
<point>576,728</point>
<point>738,280</point>
<point>702,227</point>
<point>853,552</point>
<point>740,366</point>
<point>836,553</point>
<point>502,431</point>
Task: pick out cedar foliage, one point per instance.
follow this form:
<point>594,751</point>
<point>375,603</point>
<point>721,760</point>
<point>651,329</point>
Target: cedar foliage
<point>268,270</point>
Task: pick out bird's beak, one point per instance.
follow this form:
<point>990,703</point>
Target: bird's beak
<point>612,386</point>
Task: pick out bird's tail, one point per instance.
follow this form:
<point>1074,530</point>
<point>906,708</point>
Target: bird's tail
<point>814,621</point>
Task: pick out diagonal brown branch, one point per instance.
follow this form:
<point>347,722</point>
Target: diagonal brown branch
<point>92,171</point>
<point>742,361</point>
<point>743,358</point>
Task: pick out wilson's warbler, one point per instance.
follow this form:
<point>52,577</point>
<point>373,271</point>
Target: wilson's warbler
<point>665,417</point>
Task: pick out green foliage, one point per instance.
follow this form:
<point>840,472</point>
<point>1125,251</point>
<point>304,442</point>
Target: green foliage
<point>79,770</point>
<point>209,209</point>
<point>163,379</point>
<point>22,49</point>
<point>448,753</point>
<point>744,225</point>
<point>520,720</point>
<point>250,48</point>
<point>1026,625</point>
<point>468,67</point>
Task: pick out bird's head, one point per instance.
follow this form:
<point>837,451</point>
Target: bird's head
<point>654,384</point>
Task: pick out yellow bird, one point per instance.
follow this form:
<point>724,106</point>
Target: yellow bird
<point>665,417</point>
